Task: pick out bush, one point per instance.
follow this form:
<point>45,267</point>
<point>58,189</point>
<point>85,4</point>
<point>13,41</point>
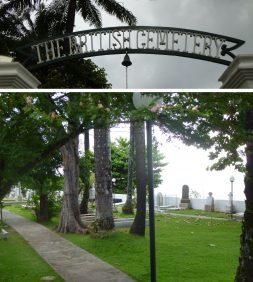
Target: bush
<point>128,208</point>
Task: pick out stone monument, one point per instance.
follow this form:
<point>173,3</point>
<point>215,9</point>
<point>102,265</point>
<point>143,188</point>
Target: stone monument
<point>209,206</point>
<point>159,198</point>
<point>230,206</point>
<point>185,200</point>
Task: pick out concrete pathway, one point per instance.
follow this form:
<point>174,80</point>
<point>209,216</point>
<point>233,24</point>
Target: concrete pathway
<point>69,261</point>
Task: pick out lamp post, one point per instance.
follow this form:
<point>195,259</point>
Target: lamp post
<point>113,194</point>
<point>232,179</point>
<point>143,101</point>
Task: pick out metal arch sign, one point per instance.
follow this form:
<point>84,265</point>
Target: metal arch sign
<point>136,40</point>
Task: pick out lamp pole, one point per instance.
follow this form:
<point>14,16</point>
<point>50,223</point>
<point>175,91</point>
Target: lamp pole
<point>151,202</point>
<point>232,179</point>
<point>113,194</point>
<point>144,101</point>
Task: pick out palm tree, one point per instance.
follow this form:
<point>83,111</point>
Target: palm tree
<point>86,184</point>
<point>128,207</point>
<point>103,178</point>
<point>21,25</point>
<point>138,226</point>
<point>89,9</point>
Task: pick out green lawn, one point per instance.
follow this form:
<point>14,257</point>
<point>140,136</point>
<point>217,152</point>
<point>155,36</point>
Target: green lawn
<point>188,249</point>
<point>20,263</point>
<point>202,213</point>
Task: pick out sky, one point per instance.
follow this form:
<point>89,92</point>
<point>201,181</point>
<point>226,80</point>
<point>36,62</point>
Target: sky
<point>227,17</point>
<point>187,165</point>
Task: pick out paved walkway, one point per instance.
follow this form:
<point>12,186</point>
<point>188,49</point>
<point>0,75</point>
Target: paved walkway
<point>69,261</point>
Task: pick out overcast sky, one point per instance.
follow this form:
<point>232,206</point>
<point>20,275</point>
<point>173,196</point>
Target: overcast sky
<point>187,165</point>
<point>227,17</point>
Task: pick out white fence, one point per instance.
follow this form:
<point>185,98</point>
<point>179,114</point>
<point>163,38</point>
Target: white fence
<point>198,204</point>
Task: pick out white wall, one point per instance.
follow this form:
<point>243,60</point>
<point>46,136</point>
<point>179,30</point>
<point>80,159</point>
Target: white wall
<point>199,204</point>
<point>123,197</point>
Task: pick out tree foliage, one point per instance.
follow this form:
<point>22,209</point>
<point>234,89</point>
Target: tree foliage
<point>119,151</point>
<point>32,126</point>
<point>214,121</point>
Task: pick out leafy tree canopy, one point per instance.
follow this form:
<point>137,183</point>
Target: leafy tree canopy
<point>34,126</point>
<point>119,151</point>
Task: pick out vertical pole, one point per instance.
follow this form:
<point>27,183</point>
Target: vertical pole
<point>86,141</point>
<point>232,204</point>
<point>126,77</point>
<point>151,202</point>
<point>1,210</point>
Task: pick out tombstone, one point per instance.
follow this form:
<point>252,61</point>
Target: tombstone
<point>209,206</point>
<point>185,200</point>
<point>159,198</point>
<point>92,193</point>
<point>230,206</point>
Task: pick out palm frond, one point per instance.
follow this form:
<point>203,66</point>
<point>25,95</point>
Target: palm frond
<point>20,4</point>
<point>89,13</point>
<point>114,8</point>
<point>12,23</point>
<point>54,17</point>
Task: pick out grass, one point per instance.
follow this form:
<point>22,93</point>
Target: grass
<point>188,249</point>
<point>20,263</point>
<point>202,213</point>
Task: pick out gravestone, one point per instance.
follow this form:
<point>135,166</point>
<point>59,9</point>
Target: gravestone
<point>159,198</point>
<point>230,207</point>
<point>209,206</point>
<point>92,194</point>
<point>185,200</point>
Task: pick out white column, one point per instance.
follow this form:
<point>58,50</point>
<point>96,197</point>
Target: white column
<point>239,75</point>
<point>13,75</point>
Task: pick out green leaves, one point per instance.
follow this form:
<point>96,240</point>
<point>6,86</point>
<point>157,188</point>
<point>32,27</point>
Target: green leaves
<point>214,121</point>
<point>119,157</point>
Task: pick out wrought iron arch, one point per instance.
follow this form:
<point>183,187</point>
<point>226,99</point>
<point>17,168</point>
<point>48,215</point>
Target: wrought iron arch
<point>133,40</point>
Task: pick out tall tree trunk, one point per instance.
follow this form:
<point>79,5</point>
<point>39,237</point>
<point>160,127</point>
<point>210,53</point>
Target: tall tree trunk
<point>128,207</point>
<point>70,215</point>
<point>5,189</point>
<point>71,16</point>
<point>86,140</point>
<point>138,226</point>
<point>245,268</point>
<point>43,212</point>
<point>103,181</point>
<point>85,198</point>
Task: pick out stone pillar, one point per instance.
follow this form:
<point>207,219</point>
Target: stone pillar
<point>239,75</point>
<point>185,200</point>
<point>13,75</point>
